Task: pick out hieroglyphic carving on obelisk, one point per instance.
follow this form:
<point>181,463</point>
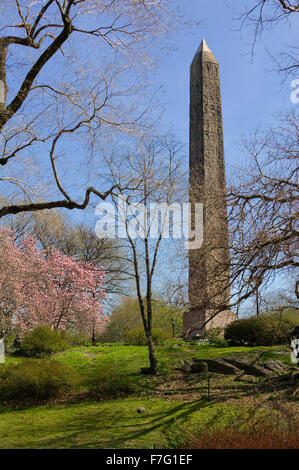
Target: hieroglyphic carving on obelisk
<point>208,266</point>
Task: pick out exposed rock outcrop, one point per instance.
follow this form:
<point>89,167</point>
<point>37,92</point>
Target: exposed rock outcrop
<point>250,368</point>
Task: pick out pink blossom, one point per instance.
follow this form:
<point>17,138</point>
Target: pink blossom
<point>39,288</point>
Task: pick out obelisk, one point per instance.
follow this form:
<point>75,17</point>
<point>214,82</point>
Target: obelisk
<point>209,271</point>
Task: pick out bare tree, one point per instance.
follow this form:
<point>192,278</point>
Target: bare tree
<point>66,83</point>
<point>156,169</point>
<point>264,209</point>
<point>279,300</point>
<point>265,14</point>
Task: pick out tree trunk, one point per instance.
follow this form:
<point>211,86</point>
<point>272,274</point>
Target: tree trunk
<point>152,357</point>
<point>93,339</point>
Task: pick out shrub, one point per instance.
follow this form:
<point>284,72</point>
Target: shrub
<point>214,336</point>
<point>36,380</point>
<point>256,437</point>
<point>136,336</point>
<point>265,330</point>
<point>241,332</point>
<point>42,342</point>
<point>110,381</point>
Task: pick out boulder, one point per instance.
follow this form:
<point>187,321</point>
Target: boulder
<point>234,365</point>
<point>199,366</point>
<point>275,366</point>
<point>216,365</point>
<point>221,366</point>
<point>280,363</point>
<point>247,378</point>
<point>184,365</point>
<point>291,378</point>
<point>249,368</point>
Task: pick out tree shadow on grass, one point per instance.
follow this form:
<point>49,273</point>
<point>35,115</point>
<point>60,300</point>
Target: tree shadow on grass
<point>108,428</point>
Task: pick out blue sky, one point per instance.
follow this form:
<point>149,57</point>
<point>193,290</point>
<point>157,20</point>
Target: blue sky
<point>253,94</point>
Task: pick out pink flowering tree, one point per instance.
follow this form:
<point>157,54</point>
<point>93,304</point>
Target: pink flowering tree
<point>47,288</point>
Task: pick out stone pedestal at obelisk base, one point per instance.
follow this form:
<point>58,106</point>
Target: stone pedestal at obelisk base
<point>209,272</point>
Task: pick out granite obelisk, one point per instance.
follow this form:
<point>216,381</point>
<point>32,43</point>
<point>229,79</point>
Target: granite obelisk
<point>209,271</point>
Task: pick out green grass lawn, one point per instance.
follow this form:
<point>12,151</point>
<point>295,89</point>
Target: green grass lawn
<point>132,358</point>
<point>91,423</point>
<point>112,424</point>
<point>128,360</point>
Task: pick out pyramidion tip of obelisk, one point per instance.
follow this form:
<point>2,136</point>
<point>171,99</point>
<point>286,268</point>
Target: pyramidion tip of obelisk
<point>205,53</point>
<point>204,47</point>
